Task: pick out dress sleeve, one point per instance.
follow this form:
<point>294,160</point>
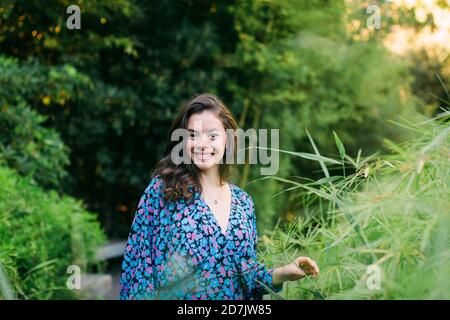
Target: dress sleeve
<point>256,276</point>
<point>137,280</point>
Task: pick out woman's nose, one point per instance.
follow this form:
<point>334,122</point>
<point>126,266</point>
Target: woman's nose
<point>204,143</point>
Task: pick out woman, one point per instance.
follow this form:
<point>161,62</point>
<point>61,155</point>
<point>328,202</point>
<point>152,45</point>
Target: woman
<point>194,232</point>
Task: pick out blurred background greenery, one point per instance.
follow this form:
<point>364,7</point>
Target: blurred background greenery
<point>84,113</point>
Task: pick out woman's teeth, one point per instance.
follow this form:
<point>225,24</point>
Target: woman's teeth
<point>204,156</point>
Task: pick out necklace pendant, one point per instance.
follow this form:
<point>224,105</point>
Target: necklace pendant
<point>215,201</point>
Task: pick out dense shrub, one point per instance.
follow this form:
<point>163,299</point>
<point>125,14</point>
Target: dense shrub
<point>41,234</point>
<point>30,148</point>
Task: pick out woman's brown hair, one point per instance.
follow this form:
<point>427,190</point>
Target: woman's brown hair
<point>178,177</point>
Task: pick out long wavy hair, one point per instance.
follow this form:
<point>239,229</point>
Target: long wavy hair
<point>178,177</point>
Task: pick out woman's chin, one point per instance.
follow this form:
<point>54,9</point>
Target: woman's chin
<point>205,165</point>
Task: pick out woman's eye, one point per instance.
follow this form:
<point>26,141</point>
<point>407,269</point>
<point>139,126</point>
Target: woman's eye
<point>213,137</point>
<point>192,135</point>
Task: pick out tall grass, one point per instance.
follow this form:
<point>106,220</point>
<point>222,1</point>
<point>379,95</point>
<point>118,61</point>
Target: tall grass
<point>386,213</point>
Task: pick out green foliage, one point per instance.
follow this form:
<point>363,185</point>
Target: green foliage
<point>41,234</point>
<point>29,29</point>
<point>87,111</point>
<point>392,212</point>
<point>91,117</point>
<point>30,148</point>
<point>298,70</point>
<point>428,65</point>
<point>112,88</point>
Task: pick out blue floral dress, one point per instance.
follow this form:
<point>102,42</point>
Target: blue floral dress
<point>177,250</point>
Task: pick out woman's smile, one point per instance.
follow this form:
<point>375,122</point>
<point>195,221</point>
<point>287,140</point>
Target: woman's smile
<point>204,156</point>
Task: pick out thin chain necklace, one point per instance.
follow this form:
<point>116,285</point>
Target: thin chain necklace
<point>215,200</point>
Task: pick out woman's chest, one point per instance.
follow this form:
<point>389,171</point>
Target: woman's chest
<point>194,229</point>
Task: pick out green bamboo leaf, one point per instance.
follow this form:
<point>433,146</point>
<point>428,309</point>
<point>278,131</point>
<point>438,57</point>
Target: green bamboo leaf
<point>322,164</point>
<point>40,266</point>
<point>305,155</point>
<point>326,180</point>
<point>339,145</point>
<point>318,192</point>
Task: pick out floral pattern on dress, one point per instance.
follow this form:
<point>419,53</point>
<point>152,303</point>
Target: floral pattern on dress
<point>177,250</point>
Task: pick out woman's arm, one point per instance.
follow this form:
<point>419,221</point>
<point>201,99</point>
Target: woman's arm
<point>273,278</point>
<point>137,280</point>
<point>255,275</point>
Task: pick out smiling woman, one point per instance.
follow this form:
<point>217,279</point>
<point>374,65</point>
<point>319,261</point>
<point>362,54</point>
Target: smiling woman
<point>207,121</point>
<point>194,233</point>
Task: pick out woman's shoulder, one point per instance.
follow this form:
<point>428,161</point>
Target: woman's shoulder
<point>154,187</point>
<point>241,194</point>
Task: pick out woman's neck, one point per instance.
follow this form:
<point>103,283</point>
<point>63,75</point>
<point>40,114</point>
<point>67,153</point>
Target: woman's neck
<point>210,178</point>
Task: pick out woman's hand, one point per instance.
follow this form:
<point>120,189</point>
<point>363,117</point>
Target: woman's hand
<point>296,270</point>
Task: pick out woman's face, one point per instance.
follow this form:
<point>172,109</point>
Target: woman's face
<point>207,140</point>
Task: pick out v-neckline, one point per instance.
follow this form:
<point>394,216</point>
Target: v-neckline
<point>213,216</point>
